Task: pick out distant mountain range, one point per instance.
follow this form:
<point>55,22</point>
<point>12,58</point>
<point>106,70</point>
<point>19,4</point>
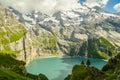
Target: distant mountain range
<point>65,32</point>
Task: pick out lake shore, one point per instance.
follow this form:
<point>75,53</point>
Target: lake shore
<point>51,55</point>
<point>60,56</point>
<point>42,56</point>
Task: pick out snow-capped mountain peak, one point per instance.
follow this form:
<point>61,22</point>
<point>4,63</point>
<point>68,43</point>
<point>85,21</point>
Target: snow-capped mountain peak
<point>83,20</point>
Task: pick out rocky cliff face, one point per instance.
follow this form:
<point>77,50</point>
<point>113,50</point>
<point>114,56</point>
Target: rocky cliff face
<point>27,42</point>
<point>10,32</point>
<point>14,37</point>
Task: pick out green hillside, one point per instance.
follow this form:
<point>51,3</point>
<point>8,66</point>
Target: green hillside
<point>12,69</point>
<point>111,71</point>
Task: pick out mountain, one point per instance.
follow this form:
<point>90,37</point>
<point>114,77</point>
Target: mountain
<point>68,32</point>
<point>12,43</point>
<point>12,34</point>
<point>118,13</point>
<point>10,31</point>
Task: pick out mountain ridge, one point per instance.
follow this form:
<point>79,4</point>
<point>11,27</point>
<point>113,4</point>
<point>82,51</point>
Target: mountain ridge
<point>71,27</point>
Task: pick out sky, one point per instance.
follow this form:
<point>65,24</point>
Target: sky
<point>51,6</point>
<point>111,6</point>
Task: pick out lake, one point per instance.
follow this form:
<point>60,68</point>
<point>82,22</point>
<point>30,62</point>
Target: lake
<point>58,68</point>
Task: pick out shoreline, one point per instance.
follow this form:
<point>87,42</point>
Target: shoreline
<point>58,56</point>
<point>65,56</point>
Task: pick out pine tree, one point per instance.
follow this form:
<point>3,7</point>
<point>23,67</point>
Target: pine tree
<point>82,62</point>
<point>88,63</point>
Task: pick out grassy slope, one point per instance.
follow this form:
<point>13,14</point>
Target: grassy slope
<point>9,68</point>
<point>10,30</point>
<point>12,69</point>
<point>10,75</point>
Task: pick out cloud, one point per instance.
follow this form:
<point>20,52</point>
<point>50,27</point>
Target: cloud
<point>117,7</point>
<point>50,6</point>
<point>45,6</point>
<point>92,3</point>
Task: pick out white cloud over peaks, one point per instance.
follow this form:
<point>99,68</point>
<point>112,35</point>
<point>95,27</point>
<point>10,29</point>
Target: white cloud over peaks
<point>92,3</point>
<point>117,7</point>
<point>45,6</point>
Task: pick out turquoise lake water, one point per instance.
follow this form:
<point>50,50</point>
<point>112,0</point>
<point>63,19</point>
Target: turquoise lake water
<point>58,68</point>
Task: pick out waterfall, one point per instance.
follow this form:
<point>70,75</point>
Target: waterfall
<point>86,51</point>
<point>24,46</point>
